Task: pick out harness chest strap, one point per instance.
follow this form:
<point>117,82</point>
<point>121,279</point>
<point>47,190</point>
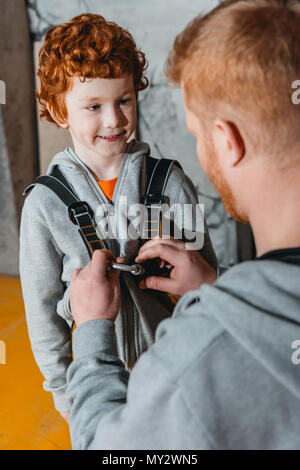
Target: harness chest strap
<point>80,213</point>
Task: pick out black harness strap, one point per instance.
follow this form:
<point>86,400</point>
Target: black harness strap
<point>158,180</point>
<point>64,193</point>
<point>157,176</point>
<point>79,212</point>
<point>60,176</point>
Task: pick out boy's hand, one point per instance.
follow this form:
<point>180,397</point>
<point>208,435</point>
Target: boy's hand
<point>66,416</point>
<point>190,269</point>
<point>95,290</point>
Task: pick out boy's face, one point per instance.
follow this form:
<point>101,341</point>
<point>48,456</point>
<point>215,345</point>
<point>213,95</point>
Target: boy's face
<point>101,115</point>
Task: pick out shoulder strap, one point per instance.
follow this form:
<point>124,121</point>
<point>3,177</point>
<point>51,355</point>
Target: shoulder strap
<point>60,176</point>
<point>79,212</point>
<point>157,174</point>
<point>60,189</point>
<point>150,165</point>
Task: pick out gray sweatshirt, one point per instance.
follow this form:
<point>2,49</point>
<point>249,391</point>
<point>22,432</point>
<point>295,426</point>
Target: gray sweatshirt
<point>51,248</point>
<point>222,374</point>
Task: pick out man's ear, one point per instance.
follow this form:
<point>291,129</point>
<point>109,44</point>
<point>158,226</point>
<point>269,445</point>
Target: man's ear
<point>62,124</point>
<point>230,139</point>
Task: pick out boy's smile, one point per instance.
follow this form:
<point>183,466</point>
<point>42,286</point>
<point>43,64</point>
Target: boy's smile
<point>101,117</point>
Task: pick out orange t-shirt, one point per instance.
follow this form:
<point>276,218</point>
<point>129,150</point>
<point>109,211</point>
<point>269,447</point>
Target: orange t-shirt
<point>108,187</point>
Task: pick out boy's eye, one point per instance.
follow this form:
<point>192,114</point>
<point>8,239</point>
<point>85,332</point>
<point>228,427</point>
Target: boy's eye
<point>125,101</point>
<point>94,107</point>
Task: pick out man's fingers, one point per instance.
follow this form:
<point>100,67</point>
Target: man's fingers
<point>165,252</point>
<point>165,240</point>
<point>162,241</point>
<point>163,284</point>
<point>158,240</point>
<point>100,259</point>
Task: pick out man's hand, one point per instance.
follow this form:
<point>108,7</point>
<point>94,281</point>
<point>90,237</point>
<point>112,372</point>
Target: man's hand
<point>190,269</point>
<point>95,290</point>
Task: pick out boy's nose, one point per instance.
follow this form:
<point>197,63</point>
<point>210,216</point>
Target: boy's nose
<point>113,117</point>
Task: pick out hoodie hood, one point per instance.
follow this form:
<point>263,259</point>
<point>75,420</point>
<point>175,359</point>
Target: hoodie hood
<point>68,157</point>
<point>264,314</point>
<point>258,304</point>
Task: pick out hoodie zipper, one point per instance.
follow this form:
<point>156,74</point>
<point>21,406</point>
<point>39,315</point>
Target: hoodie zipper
<point>129,323</point>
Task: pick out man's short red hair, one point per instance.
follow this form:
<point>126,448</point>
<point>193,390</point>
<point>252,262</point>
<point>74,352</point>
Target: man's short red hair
<point>87,46</point>
<point>241,60</point>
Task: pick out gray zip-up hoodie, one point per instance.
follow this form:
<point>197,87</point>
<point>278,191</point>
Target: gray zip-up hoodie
<point>223,372</point>
<point>51,248</point>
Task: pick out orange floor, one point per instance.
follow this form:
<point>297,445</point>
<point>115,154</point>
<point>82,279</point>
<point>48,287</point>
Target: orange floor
<point>28,419</point>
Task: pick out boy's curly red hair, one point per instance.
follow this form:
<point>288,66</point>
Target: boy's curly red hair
<point>87,46</point>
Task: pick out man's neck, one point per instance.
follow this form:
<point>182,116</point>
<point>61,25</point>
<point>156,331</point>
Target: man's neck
<point>275,212</point>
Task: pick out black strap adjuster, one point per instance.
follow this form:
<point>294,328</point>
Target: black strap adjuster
<point>155,200</point>
<point>78,209</point>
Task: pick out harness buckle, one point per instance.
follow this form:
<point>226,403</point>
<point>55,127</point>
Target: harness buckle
<point>77,209</point>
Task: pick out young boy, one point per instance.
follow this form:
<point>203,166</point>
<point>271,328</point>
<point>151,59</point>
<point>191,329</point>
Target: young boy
<point>90,72</point>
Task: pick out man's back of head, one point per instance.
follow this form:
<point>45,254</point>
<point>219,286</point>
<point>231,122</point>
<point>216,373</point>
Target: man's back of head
<point>237,66</point>
<point>245,54</point>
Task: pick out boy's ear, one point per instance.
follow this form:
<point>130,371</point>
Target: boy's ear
<point>62,124</point>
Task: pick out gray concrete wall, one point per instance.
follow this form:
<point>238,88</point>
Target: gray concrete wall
<point>9,240</point>
<point>18,143</point>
